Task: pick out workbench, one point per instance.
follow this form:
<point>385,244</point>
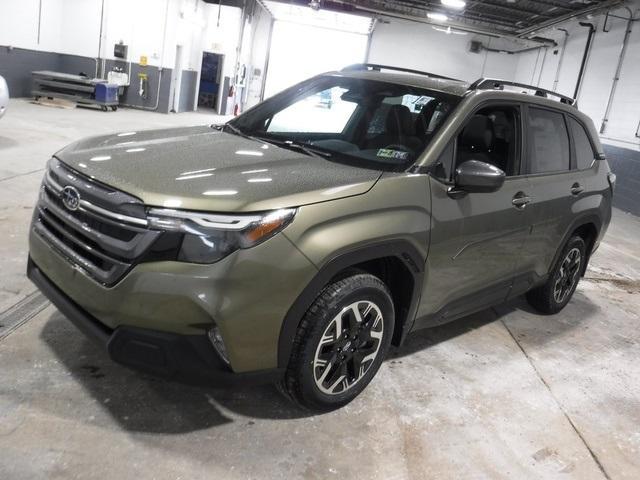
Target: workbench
<point>76,88</point>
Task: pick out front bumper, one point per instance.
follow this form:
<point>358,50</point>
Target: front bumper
<point>237,294</point>
<point>188,358</point>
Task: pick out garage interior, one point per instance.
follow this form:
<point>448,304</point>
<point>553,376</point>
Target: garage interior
<point>504,393</point>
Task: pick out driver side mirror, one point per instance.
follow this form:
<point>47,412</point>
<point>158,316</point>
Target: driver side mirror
<point>474,176</point>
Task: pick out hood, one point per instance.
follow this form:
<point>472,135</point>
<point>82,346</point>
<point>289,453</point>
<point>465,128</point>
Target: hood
<point>201,168</point>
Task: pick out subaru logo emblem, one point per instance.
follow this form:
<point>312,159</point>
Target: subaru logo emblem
<point>70,198</point>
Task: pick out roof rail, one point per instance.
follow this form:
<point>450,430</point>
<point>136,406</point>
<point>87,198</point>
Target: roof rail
<point>374,66</point>
<point>496,84</point>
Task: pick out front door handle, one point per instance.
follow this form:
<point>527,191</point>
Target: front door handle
<point>520,200</point>
<point>576,189</point>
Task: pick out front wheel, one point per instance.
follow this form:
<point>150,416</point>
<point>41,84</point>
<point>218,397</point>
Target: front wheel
<point>341,343</point>
<point>554,295</point>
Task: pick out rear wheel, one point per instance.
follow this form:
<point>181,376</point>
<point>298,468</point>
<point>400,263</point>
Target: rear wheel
<point>341,343</point>
<point>554,295</point>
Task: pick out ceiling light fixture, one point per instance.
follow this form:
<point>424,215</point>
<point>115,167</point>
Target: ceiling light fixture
<point>449,31</point>
<point>438,17</point>
<point>457,4</point>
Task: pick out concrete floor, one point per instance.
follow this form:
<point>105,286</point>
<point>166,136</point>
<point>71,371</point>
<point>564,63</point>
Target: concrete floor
<point>505,393</point>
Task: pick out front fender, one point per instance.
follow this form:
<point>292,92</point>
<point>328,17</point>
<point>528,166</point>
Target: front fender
<point>391,220</point>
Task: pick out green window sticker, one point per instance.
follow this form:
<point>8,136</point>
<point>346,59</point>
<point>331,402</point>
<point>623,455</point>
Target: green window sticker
<point>395,154</point>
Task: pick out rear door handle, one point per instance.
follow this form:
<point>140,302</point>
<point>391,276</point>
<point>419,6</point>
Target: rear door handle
<point>576,189</point>
<point>520,200</point>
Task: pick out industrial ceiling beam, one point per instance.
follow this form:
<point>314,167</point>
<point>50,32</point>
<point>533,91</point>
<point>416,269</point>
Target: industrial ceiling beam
<point>419,18</point>
<point>501,23</point>
<point>516,10</point>
<point>488,18</point>
<point>485,17</point>
<point>549,3</point>
<point>563,18</point>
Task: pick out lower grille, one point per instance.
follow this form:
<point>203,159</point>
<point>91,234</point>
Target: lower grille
<point>99,236</point>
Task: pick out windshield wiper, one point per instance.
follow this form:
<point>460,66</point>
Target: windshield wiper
<point>234,129</point>
<point>303,147</point>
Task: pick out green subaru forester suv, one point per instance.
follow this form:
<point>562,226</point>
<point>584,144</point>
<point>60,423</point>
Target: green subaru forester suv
<point>297,242</point>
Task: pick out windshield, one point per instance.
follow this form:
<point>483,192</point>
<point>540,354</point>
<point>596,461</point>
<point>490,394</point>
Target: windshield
<point>366,123</point>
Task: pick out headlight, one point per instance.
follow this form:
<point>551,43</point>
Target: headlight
<point>210,237</point>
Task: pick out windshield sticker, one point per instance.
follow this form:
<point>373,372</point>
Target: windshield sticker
<point>396,154</point>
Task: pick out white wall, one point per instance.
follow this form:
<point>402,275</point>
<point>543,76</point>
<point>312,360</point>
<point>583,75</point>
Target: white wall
<point>599,73</point>
<point>261,28</point>
<point>73,27</point>
<point>19,23</point>
<point>140,24</point>
<point>78,26</point>
<point>224,38</point>
<point>419,46</point>
<point>67,26</point>
<point>150,28</point>
<point>415,45</point>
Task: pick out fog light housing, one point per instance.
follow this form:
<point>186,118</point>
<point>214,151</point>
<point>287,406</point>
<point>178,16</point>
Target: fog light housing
<point>216,340</point>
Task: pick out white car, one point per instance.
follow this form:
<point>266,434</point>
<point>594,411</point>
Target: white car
<point>4,96</point>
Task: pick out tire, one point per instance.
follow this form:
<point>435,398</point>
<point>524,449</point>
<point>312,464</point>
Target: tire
<point>333,340</point>
<point>554,295</point>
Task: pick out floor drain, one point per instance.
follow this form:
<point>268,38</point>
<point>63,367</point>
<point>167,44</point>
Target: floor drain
<point>20,313</point>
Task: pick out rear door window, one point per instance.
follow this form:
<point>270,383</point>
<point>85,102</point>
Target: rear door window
<point>584,151</point>
<point>548,141</point>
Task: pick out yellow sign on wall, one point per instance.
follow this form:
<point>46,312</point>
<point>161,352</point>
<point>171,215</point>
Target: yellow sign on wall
<point>143,60</point>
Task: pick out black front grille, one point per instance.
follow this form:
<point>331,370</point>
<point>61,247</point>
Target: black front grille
<point>110,229</point>
<point>105,236</point>
<point>64,235</point>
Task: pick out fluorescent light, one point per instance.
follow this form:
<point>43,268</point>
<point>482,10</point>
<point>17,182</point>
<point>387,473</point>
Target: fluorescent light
<point>251,153</point>
<point>260,170</point>
<point>457,4</point>
<point>448,31</point>
<point>215,193</point>
<point>439,17</point>
<point>195,175</point>
<point>134,150</point>
<point>258,180</point>
<point>100,158</point>
<point>198,171</point>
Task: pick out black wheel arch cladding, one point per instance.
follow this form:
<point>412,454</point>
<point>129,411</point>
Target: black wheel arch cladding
<point>400,250</point>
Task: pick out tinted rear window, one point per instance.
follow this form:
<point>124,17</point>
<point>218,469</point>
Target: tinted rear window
<point>548,141</point>
<point>584,150</point>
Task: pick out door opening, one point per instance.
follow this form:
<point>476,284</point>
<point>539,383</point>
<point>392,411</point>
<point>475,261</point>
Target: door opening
<point>211,92</point>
